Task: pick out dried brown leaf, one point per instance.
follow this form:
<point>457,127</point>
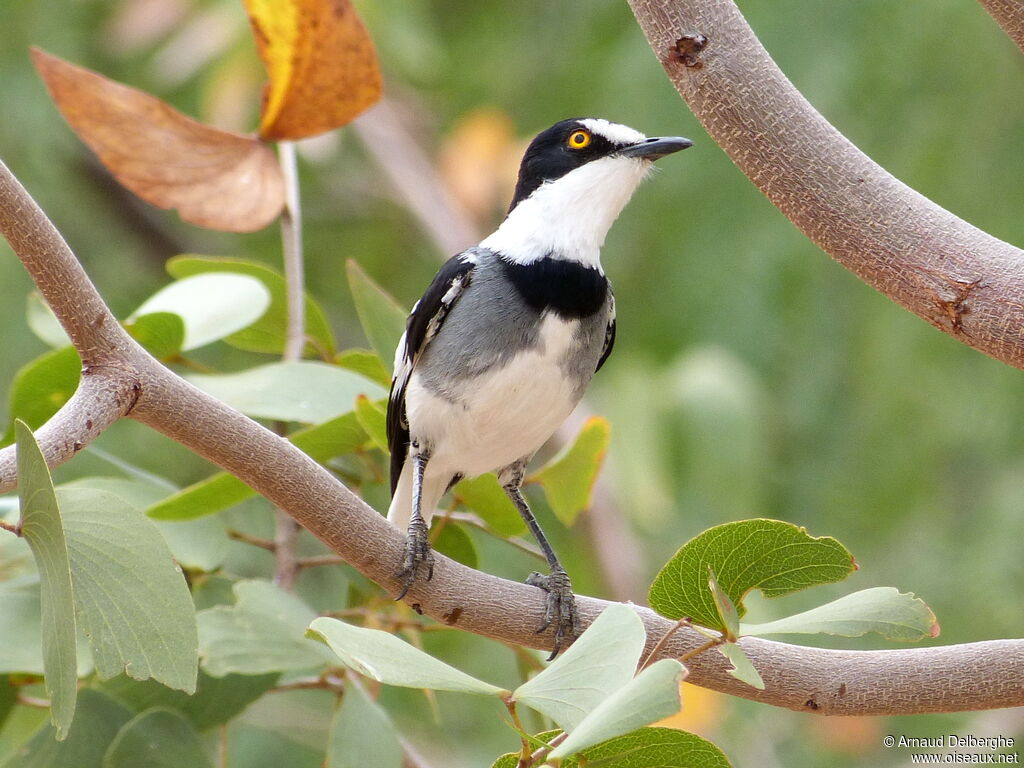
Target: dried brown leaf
<point>215,179</point>
<point>321,62</point>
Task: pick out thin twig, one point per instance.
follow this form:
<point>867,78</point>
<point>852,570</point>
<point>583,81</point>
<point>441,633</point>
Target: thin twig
<point>541,753</point>
<point>33,701</point>
<point>255,541</point>
<point>323,682</point>
<point>222,746</point>
<point>286,530</point>
<point>316,560</point>
<point>294,267</point>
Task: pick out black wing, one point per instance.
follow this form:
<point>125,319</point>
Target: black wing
<point>609,335</point>
<point>423,324</point>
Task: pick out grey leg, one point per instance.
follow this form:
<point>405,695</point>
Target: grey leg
<point>418,554</point>
<point>561,603</point>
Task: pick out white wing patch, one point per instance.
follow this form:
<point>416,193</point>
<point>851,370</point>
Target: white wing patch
<point>458,285</point>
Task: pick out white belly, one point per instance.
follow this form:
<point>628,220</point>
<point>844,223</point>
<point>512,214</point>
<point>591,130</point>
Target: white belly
<point>504,415</point>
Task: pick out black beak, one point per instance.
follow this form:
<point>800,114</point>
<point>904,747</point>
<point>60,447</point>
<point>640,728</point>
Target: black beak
<point>655,147</point>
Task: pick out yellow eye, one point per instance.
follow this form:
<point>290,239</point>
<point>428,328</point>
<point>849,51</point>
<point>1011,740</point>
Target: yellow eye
<point>579,139</point>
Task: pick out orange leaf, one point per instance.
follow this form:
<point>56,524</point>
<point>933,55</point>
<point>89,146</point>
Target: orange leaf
<point>215,179</point>
<point>321,62</point>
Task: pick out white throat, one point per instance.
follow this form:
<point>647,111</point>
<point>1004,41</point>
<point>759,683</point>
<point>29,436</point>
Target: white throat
<point>569,218</point>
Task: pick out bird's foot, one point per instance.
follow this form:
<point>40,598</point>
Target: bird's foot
<point>418,556</point>
<point>560,611</point>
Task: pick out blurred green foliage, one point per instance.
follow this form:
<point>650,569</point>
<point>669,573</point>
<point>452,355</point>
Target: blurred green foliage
<point>752,376</point>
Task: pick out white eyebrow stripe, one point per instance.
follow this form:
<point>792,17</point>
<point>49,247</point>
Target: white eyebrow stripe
<point>614,132</point>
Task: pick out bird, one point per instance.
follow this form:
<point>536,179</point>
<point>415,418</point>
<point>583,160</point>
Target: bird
<point>499,349</point>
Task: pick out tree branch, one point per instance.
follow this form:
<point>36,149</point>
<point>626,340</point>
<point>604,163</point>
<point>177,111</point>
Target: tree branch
<point>1009,14</point>
<point>952,678</point>
<point>958,278</point>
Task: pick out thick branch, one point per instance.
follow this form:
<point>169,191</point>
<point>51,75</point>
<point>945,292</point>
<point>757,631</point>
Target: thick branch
<point>1009,14</point>
<point>958,278</point>
<point>103,396</point>
<point>977,676</point>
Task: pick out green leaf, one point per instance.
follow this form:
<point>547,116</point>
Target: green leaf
<point>893,614</point>
<point>569,479</point>
<point>332,438</point>
<point>770,555</point>
<point>21,649</point>
<point>43,529</point>
<point>373,418</point>
<point>197,545</point>
<point>600,662</point>
<point>132,601</point>
<point>21,629</point>
<point>97,722</point>
<point>643,748</point>
<point>742,668</point>
<point>454,542</point>
<point>651,695</point>
<point>220,491</point>
<point>41,387</point>
<point>159,738</point>
<point>289,391</point>
<point>205,497</point>
<point>485,496</point>
<point>385,658</point>
<point>161,333</point>
<point>365,363</point>
<point>263,632</point>
<point>727,614</point>
<point>268,747</point>
<point>216,700</point>
<point>654,748</point>
<point>383,318</point>
<point>211,306</point>
<point>269,332</point>
<point>43,323</point>
<point>362,735</point>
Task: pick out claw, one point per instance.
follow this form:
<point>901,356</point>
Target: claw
<point>418,555</point>
<point>560,610</point>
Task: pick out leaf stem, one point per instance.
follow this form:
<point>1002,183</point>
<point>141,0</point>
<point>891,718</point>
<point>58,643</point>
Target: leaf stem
<point>661,643</point>
<point>12,527</point>
<point>701,648</point>
<point>524,752</point>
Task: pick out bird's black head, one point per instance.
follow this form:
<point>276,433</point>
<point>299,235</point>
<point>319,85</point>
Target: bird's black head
<point>569,144</point>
